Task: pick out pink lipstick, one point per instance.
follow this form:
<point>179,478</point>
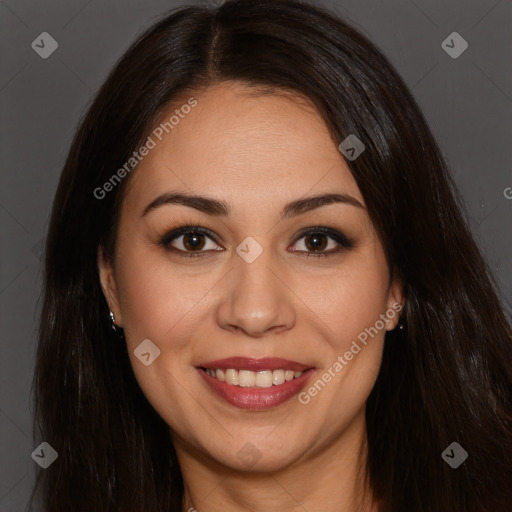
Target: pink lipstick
<point>249,383</point>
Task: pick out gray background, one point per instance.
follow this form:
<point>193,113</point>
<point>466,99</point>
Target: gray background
<point>467,101</point>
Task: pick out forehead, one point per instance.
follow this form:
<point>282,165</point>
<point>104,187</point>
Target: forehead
<point>245,147</point>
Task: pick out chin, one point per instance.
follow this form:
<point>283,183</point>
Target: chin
<point>258,454</point>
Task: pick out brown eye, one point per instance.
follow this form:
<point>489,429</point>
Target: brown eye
<point>190,241</point>
<point>193,241</point>
<point>316,242</point>
<point>322,241</point>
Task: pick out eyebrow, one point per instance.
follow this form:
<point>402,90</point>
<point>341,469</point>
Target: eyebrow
<point>219,208</point>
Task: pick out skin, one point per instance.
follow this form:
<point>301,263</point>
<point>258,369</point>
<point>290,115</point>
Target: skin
<point>256,152</point>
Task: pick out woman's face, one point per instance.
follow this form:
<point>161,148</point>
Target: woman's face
<point>252,293</point>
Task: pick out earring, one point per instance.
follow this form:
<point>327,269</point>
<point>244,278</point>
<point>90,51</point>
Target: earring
<point>400,325</point>
<point>114,326</point>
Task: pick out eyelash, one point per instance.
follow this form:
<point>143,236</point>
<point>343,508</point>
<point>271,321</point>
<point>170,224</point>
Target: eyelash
<point>343,242</point>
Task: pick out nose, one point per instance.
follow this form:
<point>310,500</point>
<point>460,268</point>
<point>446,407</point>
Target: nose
<point>256,299</point>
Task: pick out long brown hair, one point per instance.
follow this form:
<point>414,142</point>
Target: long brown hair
<point>447,377</point>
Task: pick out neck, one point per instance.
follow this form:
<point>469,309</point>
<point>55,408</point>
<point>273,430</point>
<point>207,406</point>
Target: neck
<point>329,479</point>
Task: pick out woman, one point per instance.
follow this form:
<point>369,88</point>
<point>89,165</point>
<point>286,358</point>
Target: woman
<point>260,290</point>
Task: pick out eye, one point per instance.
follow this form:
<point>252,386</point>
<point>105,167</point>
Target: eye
<point>322,241</point>
<point>193,241</point>
<point>188,240</point>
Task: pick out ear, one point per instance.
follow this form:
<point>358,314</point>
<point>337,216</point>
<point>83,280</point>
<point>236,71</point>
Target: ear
<point>108,285</point>
<point>395,303</point>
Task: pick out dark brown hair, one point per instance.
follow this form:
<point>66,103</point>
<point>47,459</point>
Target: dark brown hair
<point>446,377</point>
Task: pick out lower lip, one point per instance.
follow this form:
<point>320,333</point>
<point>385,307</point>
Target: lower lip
<point>256,398</point>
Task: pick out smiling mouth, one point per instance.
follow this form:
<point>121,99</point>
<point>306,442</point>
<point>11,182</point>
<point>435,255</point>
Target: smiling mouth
<point>250,379</point>
<point>249,383</point>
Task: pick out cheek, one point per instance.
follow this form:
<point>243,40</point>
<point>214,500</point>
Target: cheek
<point>157,302</point>
<point>353,299</point>
<point>350,308</point>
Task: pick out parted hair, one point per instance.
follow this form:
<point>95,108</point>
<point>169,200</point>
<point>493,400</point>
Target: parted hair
<point>446,377</point>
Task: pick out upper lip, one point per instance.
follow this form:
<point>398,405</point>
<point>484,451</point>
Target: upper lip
<point>256,365</point>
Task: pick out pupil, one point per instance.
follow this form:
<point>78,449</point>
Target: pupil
<point>318,241</point>
<point>193,241</point>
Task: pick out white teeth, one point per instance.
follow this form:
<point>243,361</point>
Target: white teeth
<point>264,379</point>
<point>246,379</point>
<point>232,377</point>
<point>278,377</point>
<point>249,379</point>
